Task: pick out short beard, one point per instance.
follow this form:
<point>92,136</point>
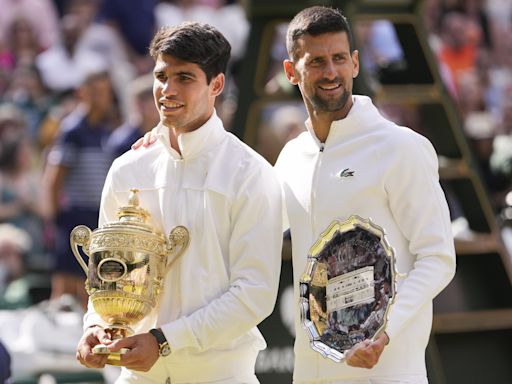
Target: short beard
<point>332,105</point>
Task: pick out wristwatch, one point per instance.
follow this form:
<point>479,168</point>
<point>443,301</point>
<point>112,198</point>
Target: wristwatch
<point>163,346</point>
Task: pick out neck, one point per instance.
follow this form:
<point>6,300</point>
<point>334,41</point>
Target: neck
<point>173,138</point>
<point>321,121</point>
<point>321,127</point>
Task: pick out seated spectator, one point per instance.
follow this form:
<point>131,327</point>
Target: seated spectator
<point>40,14</point>
<point>65,66</point>
<point>458,52</point>
<point>22,42</point>
<point>15,243</point>
<point>27,91</point>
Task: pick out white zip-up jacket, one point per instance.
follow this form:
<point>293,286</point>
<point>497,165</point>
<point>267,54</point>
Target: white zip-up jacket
<point>370,167</point>
<point>226,282</point>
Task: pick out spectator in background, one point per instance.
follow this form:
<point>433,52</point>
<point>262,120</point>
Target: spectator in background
<point>144,117</point>
<point>101,39</point>
<point>458,53</point>
<point>86,46</point>
<point>381,52</point>
<point>76,169</point>
<point>40,14</point>
<point>15,243</point>
<point>65,65</point>
<point>134,21</point>
<point>22,44</point>
<point>227,16</point>
<point>20,197</point>
<point>27,91</point>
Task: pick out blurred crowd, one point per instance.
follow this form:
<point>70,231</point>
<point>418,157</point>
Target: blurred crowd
<point>472,40</point>
<point>76,92</point>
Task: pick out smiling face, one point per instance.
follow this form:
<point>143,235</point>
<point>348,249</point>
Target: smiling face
<point>324,68</point>
<point>183,98</point>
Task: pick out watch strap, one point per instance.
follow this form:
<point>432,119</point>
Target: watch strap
<point>163,345</point>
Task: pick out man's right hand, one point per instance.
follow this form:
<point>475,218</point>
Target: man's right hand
<point>148,139</point>
<point>92,336</point>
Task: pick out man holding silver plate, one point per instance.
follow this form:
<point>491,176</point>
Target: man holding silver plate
<point>224,197</point>
<point>370,226</point>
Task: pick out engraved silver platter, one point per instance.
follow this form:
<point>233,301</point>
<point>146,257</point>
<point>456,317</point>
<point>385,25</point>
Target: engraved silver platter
<point>348,286</point>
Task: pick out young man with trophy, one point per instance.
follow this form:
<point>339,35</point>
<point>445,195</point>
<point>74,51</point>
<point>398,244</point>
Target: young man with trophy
<point>351,169</point>
<point>196,312</point>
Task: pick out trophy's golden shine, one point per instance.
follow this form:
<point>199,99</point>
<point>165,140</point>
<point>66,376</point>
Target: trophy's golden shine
<point>128,260</point>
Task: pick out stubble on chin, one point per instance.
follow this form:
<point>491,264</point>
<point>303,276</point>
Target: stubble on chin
<point>332,105</point>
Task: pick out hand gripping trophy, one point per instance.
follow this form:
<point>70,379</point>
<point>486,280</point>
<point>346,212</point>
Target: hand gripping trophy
<point>128,260</point>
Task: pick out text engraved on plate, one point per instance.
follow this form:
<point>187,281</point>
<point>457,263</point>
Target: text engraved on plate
<point>350,289</point>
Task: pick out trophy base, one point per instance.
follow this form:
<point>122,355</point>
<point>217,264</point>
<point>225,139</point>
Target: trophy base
<point>114,358</point>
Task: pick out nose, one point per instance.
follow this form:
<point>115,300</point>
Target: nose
<point>168,89</point>
<point>330,70</point>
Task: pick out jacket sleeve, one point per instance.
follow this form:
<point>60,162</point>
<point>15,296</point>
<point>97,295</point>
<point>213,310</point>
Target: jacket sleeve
<point>419,206</point>
<point>254,269</point>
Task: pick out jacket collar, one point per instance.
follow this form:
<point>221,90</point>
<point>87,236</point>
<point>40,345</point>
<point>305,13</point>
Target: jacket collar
<point>196,142</point>
<point>360,116</point>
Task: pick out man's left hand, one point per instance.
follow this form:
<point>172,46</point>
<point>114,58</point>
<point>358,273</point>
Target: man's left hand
<point>143,351</point>
<point>367,353</point>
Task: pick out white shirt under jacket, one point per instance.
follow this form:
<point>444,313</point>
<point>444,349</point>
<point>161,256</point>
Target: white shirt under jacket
<point>226,282</point>
<point>395,182</point>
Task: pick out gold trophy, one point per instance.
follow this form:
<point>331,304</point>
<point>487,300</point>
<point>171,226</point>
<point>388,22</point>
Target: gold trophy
<point>128,260</point>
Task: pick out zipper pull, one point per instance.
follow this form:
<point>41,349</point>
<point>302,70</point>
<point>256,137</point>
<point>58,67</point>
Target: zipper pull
<point>321,148</point>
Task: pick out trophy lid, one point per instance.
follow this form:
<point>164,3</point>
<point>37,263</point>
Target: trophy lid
<point>132,212</point>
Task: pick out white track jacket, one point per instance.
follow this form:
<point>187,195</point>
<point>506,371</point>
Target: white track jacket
<point>373,168</point>
<point>226,282</point>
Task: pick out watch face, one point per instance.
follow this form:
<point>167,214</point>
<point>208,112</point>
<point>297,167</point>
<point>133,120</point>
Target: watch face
<point>165,349</point>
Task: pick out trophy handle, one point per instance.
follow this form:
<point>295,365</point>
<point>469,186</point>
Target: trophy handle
<point>80,236</point>
<point>178,242</point>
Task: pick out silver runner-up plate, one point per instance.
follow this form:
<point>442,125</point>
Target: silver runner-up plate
<point>348,286</point>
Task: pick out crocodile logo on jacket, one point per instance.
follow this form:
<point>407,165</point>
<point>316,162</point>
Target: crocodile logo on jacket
<point>347,172</point>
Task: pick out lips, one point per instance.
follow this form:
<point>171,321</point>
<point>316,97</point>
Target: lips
<point>170,106</point>
<point>329,87</point>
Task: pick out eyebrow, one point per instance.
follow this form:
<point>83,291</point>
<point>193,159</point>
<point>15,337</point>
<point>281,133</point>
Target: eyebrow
<point>186,73</point>
<point>157,71</point>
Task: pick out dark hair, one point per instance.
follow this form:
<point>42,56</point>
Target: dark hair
<point>196,43</point>
<point>315,21</point>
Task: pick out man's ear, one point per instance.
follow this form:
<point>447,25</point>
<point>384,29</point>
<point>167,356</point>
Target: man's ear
<point>289,70</point>
<point>355,61</point>
<point>217,84</point>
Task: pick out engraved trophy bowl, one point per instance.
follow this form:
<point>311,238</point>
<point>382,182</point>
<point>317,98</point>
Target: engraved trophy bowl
<point>128,260</point>
<point>348,286</point>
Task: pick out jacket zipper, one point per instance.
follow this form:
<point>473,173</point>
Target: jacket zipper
<point>313,189</point>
